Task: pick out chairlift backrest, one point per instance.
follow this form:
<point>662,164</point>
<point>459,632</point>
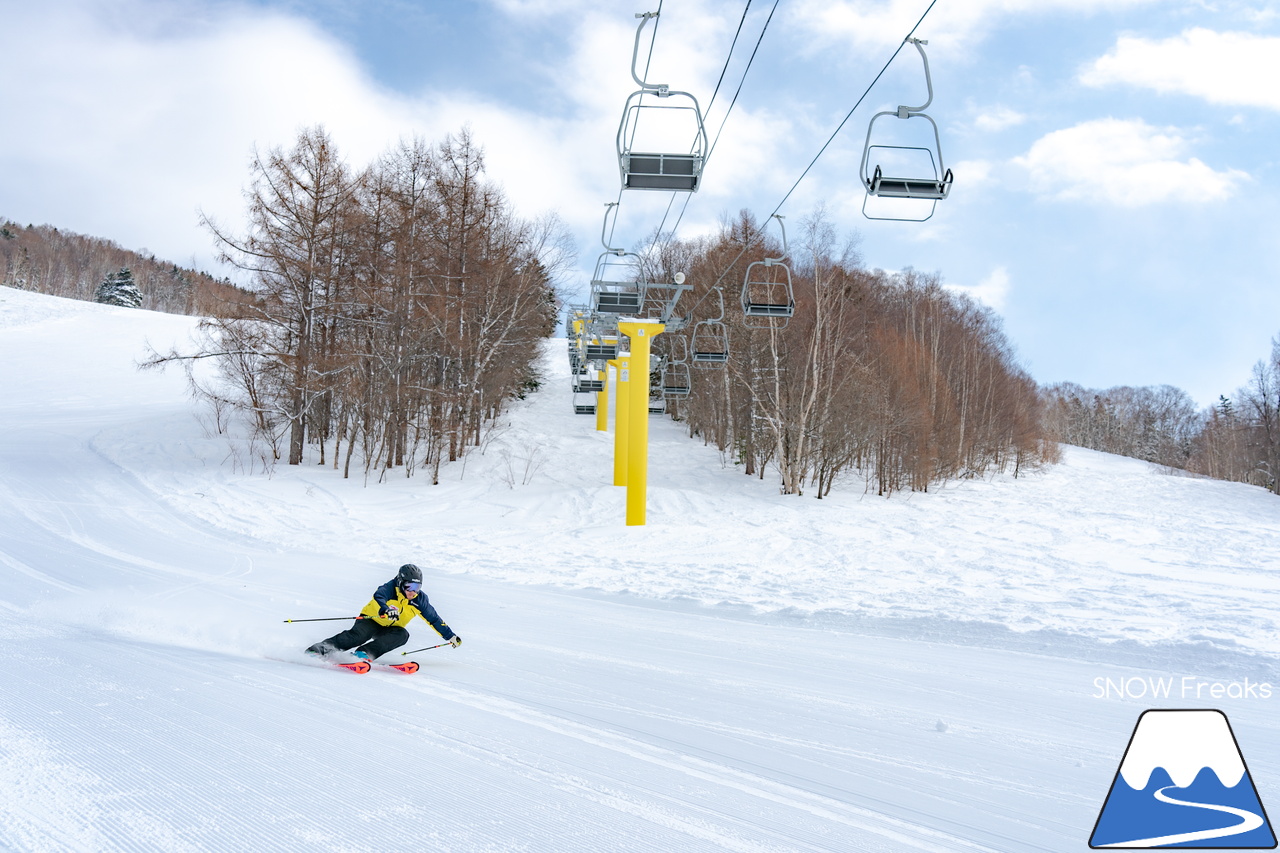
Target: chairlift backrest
<point>667,170</point>
<point>932,187</point>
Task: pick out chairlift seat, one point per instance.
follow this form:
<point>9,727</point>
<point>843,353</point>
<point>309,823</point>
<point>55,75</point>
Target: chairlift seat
<point>601,352</point>
<point>929,189</point>
<point>768,309</point>
<point>586,385</point>
<point>670,172</point>
<point>584,408</point>
<point>710,357</point>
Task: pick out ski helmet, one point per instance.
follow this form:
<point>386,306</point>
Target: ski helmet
<point>409,573</point>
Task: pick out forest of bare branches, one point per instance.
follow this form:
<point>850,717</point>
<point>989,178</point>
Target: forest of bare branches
<point>45,259</point>
<point>1238,439</point>
<point>399,307</point>
<point>891,376</point>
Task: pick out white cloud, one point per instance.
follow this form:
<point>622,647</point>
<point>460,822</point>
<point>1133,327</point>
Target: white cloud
<point>134,118</point>
<point>973,173</point>
<point>995,119</point>
<point>1235,69</point>
<point>992,291</point>
<point>1127,163</point>
<point>955,22</point>
<point>131,119</point>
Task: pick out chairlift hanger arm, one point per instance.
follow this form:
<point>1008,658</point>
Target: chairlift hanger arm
<point>905,111</point>
<point>719,292</point>
<point>659,89</point>
<point>605,227</point>
<point>768,262</point>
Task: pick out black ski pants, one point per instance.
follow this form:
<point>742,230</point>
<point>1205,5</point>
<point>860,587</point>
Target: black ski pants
<point>366,636</point>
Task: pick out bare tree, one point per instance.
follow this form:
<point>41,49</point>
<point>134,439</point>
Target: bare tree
<point>298,204</point>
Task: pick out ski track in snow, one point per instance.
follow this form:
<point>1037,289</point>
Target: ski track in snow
<point>748,672</point>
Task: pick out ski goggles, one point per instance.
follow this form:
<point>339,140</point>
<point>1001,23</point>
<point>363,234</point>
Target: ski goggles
<point>411,587</point>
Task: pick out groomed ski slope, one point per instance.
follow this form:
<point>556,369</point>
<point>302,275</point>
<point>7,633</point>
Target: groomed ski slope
<point>748,672</point>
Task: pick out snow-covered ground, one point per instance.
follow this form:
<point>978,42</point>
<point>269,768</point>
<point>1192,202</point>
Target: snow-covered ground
<point>747,672</point>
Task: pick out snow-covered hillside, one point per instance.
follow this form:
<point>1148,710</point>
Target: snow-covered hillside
<point>748,671</point>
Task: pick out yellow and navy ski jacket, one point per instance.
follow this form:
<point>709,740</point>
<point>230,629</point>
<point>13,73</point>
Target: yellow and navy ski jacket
<point>390,593</point>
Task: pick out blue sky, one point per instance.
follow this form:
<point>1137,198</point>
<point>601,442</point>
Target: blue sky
<point>1114,160</point>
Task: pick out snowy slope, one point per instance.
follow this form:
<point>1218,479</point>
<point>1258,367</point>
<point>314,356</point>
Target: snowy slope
<point>746,672</point>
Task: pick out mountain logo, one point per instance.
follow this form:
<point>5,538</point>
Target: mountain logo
<point>1183,783</point>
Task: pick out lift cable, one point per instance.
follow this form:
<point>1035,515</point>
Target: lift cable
<point>723,121</point>
<point>724,70</point>
<point>849,115</point>
<point>747,243</point>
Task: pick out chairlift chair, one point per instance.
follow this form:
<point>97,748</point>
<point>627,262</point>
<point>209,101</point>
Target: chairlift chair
<point>611,292</point>
<point>932,188</point>
<point>676,381</point>
<point>767,294</point>
<point>673,372</point>
<point>710,339</point>
<point>649,170</point>
<point>610,295</point>
<point>584,403</point>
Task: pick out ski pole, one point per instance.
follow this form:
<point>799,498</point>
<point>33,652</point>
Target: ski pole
<point>427,649</point>
<point>330,619</point>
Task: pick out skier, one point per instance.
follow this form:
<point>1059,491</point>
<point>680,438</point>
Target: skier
<point>380,626</point>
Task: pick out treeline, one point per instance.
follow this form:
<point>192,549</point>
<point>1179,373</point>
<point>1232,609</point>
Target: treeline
<point>1157,424</point>
<point>399,306</point>
<point>45,259</point>
<point>889,375</point>
<point>1237,439</point>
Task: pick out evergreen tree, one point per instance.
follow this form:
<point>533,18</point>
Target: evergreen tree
<point>119,289</point>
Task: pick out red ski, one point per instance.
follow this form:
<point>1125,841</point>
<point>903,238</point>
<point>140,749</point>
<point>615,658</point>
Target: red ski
<point>360,666</point>
<point>408,667</point>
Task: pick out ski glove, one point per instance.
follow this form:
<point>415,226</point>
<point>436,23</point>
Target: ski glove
<point>455,641</point>
<point>391,612</point>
